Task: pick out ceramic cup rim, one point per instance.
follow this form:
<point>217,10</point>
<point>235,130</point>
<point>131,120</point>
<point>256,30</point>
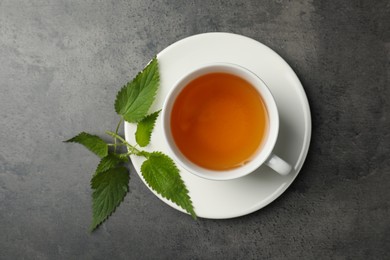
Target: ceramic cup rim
<point>263,152</point>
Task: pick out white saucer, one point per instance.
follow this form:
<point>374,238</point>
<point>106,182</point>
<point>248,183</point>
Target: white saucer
<point>229,199</point>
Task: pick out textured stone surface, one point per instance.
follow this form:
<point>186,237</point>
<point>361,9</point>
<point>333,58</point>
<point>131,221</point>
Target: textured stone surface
<point>61,64</point>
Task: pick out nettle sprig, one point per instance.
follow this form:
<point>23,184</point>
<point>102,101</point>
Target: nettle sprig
<point>110,182</point>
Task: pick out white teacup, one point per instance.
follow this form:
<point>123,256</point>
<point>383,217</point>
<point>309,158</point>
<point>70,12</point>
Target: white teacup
<point>263,155</point>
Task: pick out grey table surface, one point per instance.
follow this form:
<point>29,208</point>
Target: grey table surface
<point>61,65</point>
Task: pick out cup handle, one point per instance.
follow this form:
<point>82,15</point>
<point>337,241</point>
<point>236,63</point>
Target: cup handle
<point>278,164</point>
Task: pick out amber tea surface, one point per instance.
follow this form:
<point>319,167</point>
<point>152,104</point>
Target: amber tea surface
<point>219,121</point>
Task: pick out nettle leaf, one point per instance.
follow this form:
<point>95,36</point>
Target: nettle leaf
<point>92,142</point>
<point>162,175</point>
<point>145,129</point>
<point>109,189</point>
<point>135,98</point>
<point>110,161</point>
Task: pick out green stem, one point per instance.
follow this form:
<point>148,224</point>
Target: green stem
<point>133,149</point>
<point>116,131</point>
<point>119,124</point>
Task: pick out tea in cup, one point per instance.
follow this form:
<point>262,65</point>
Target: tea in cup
<point>221,122</point>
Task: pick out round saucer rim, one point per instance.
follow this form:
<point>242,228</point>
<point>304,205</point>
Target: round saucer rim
<point>303,149</point>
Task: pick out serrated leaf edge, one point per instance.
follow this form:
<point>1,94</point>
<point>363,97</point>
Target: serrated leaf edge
<point>157,113</point>
<point>71,140</point>
<point>121,160</point>
<point>94,227</point>
<point>192,214</point>
<point>128,83</point>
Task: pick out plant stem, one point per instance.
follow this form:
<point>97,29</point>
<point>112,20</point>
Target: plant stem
<point>133,149</point>
<point>119,124</point>
<point>116,132</point>
<point>116,144</point>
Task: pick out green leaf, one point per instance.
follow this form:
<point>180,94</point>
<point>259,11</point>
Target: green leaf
<point>110,161</point>
<point>92,142</point>
<point>109,189</point>
<point>145,129</point>
<point>135,98</point>
<point>162,175</point>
